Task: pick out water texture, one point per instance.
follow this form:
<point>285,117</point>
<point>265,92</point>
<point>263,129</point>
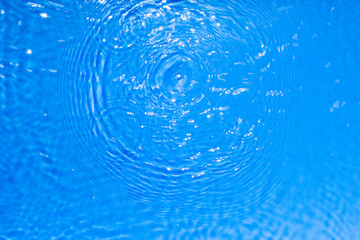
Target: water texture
<point>179,119</point>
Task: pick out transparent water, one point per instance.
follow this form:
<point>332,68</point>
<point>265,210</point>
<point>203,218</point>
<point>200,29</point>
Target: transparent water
<point>179,119</point>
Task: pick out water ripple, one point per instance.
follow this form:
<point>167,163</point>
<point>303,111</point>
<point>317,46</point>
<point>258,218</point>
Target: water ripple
<point>171,96</point>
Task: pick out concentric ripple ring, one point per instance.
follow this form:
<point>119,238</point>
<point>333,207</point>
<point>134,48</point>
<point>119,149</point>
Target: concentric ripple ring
<point>171,107</point>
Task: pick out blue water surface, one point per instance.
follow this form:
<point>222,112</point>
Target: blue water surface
<point>172,119</point>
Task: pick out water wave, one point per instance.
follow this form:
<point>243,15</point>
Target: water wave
<point>178,96</point>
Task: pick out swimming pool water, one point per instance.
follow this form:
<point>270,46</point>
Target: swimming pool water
<point>173,119</point>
